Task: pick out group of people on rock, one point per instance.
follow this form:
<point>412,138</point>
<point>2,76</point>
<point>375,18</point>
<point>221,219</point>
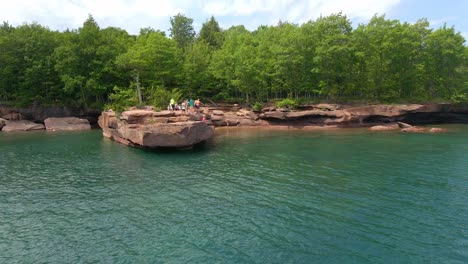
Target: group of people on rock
<point>186,105</point>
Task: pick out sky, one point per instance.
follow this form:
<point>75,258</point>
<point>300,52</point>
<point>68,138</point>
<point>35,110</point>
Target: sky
<point>132,15</point>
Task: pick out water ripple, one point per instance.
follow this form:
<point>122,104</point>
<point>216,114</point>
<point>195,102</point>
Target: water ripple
<point>250,197</point>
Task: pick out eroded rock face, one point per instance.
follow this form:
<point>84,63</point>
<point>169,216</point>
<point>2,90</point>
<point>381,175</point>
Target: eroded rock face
<point>2,123</point>
<point>323,115</point>
<point>13,116</point>
<point>22,125</point>
<point>143,128</point>
<point>404,125</point>
<point>66,124</point>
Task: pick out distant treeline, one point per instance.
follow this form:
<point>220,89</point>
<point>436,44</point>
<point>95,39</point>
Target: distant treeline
<point>321,60</point>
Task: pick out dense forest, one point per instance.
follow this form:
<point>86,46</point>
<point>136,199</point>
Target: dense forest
<point>322,60</point>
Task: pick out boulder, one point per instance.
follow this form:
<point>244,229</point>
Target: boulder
<point>66,124</point>
<point>216,118</point>
<point>2,123</point>
<point>384,127</point>
<point>437,130</point>
<point>22,125</point>
<point>326,107</point>
<point>177,132</point>
<point>268,109</point>
<point>218,113</point>
<point>248,114</point>
<point>414,129</point>
<point>404,125</point>
<point>177,135</point>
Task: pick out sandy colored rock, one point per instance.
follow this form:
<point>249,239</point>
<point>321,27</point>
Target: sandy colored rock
<point>217,118</point>
<point>384,127</point>
<point>326,107</point>
<point>269,109</point>
<point>218,112</point>
<point>22,125</point>
<point>177,119</point>
<point>13,116</point>
<point>437,130</point>
<point>414,129</point>
<point>66,124</point>
<point>2,123</point>
<point>404,125</point>
<point>177,133</point>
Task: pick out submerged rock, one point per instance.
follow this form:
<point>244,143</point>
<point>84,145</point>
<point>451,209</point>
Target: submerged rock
<point>22,125</point>
<point>414,129</point>
<point>66,124</point>
<point>384,127</point>
<point>143,128</point>
<point>437,130</point>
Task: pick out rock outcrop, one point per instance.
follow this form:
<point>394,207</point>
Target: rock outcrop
<point>150,129</point>
<point>147,128</point>
<point>384,127</point>
<point>335,115</point>
<point>66,124</point>
<point>2,123</point>
<point>39,113</point>
<point>22,125</point>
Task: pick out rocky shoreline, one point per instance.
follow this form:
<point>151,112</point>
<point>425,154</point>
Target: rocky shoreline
<point>148,128</point>
<point>331,115</point>
<point>47,118</point>
<point>140,127</point>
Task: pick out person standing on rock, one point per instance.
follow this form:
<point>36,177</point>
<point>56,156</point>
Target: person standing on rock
<point>172,103</point>
<point>183,106</point>
<point>197,105</point>
<point>191,104</point>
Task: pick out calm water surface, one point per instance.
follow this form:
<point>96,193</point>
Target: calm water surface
<point>249,196</point>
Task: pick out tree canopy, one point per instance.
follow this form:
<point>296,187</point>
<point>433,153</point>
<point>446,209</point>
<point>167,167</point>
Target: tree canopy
<point>325,59</point>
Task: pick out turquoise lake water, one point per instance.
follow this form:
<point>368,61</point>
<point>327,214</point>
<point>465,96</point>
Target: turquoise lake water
<point>248,196</point>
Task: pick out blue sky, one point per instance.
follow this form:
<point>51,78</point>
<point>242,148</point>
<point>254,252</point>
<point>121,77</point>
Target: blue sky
<point>135,14</point>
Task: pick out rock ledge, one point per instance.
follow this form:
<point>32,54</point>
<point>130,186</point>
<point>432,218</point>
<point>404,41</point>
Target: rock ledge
<point>151,129</point>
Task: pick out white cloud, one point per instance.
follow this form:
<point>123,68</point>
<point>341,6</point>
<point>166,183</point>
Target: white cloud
<point>298,10</point>
<point>135,14</point>
<point>244,7</point>
<point>61,14</point>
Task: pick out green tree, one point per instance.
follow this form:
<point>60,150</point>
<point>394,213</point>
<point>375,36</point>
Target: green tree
<point>154,57</point>
<point>182,31</point>
<point>211,33</point>
<point>445,54</point>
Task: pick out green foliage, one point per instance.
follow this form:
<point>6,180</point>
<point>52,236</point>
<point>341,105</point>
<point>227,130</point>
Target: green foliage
<point>159,97</point>
<point>182,30</point>
<point>121,99</point>
<point>288,103</point>
<point>257,106</point>
<point>459,98</point>
<point>211,33</point>
<point>325,59</point>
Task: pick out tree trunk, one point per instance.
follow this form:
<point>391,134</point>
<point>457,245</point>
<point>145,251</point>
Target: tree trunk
<point>137,79</point>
